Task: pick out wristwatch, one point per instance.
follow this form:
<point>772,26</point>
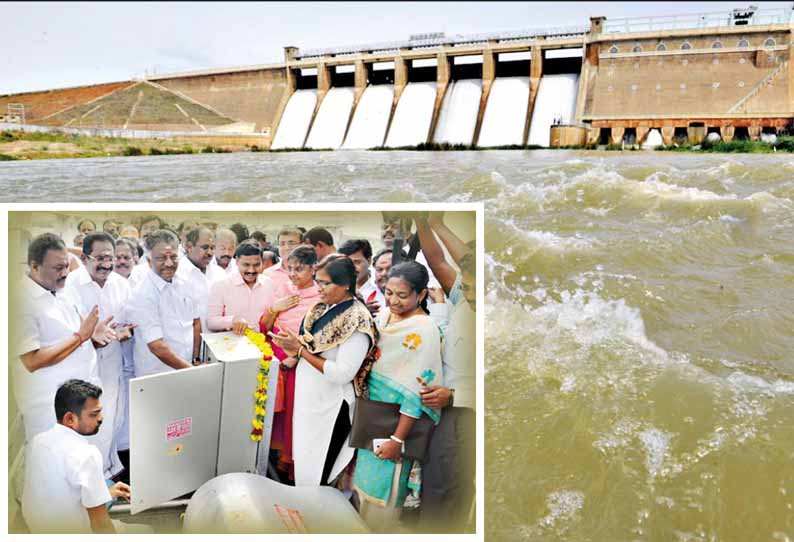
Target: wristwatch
<point>451,397</point>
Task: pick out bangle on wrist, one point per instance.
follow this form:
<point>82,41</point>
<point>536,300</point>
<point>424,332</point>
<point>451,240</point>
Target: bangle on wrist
<point>79,337</point>
<point>271,311</point>
<point>298,355</point>
<point>397,440</point>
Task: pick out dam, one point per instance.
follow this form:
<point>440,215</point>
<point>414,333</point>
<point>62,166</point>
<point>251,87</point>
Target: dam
<point>632,81</point>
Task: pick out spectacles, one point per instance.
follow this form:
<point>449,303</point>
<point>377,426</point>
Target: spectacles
<point>322,284</point>
<point>288,243</point>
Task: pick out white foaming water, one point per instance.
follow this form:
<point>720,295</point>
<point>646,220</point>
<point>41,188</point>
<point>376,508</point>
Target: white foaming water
<point>291,131</point>
<point>413,115</point>
<point>546,240</point>
<point>652,140</point>
<point>590,320</point>
<point>505,113</point>
<point>563,505</point>
<point>657,445</point>
<point>329,126</point>
<point>556,99</point>
<point>744,381</point>
<point>458,117</point>
<point>371,118</point>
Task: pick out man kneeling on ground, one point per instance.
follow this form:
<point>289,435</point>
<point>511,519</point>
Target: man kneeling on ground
<point>65,489</point>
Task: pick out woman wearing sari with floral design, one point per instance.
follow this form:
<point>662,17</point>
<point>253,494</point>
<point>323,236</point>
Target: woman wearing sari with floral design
<point>410,359</point>
<point>293,301</point>
<point>334,349</point>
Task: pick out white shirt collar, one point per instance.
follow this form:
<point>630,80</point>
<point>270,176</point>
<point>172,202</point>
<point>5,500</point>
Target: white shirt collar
<point>68,432</point>
<point>33,289</point>
<point>82,276</point>
<point>189,266</point>
<point>158,282</point>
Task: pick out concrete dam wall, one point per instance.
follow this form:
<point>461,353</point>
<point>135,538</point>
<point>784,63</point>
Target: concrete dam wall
<point>614,80</point>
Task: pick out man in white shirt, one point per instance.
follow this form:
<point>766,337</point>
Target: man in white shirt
<point>168,333</point>
<point>53,342</point>
<point>139,271</point>
<point>223,264</point>
<point>95,284</point>
<point>184,227</point>
<point>65,491</point>
<point>381,263</point>
<point>360,252</point>
<point>389,233</point>
<point>199,248</point>
<point>448,472</point>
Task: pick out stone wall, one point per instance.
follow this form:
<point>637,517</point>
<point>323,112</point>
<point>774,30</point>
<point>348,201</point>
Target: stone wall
<point>656,78</point>
<point>247,96</point>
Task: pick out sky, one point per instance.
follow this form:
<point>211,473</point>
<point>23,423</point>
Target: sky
<point>49,45</point>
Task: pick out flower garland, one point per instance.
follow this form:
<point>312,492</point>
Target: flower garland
<point>260,394</point>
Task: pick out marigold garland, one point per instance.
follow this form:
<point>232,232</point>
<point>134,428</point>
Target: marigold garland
<point>260,394</point>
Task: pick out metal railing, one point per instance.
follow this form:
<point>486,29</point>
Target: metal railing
<point>738,17</point>
<point>515,35</point>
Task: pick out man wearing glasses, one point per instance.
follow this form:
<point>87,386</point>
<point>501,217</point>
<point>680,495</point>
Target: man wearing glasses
<point>288,239</point>
<point>168,334</point>
<point>95,284</point>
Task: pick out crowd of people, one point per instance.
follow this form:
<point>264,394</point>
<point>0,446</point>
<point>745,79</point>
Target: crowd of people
<point>350,330</point>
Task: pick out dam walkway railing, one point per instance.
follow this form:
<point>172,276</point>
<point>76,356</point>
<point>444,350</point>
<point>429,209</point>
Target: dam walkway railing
<point>758,87</point>
<point>718,19</point>
<point>431,41</point>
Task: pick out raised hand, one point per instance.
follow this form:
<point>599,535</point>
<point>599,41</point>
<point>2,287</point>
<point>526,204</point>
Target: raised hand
<point>88,324</point>
<point>104,332</point>
<point>286,303</point>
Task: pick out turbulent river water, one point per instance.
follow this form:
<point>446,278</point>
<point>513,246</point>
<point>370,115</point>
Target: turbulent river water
<point>639,320</point>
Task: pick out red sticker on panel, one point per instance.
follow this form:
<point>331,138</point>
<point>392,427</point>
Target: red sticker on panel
<point>178,429</point>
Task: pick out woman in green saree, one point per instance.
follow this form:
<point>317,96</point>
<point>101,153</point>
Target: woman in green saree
<point>410,359</point>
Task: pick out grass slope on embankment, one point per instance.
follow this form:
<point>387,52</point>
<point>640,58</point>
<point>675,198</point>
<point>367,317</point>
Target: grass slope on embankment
<point>17,145</point>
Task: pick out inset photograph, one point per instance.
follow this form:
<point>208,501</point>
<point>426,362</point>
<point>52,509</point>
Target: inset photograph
<point>245,371</point>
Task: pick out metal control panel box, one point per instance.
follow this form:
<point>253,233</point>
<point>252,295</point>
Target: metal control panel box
<point>240,360</point>
<point>190,425</point>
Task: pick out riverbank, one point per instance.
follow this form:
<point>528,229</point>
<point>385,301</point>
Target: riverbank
<point>18,145</point>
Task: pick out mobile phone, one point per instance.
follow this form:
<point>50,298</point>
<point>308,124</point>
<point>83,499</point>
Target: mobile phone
<point>376,442</point>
